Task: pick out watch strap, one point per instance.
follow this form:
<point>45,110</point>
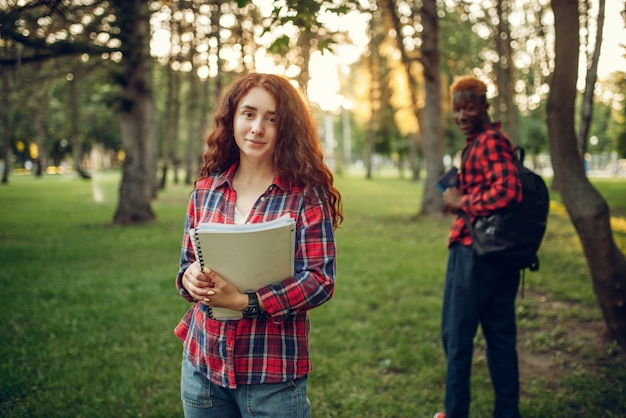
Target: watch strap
<point>253,310</point>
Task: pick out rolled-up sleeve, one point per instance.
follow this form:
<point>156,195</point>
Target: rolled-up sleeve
<point>314,267</point>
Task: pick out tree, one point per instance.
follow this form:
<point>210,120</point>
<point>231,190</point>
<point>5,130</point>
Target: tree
<point>137,113</point>
<point>590,82</point>
<point>6,133</point>
<point>618,130</point>
<point>432,129</point>
<point>119,31</point>
<point>374,65</point>
<point>587,209</point>
<point>504,104</point>
<point>408,64</point>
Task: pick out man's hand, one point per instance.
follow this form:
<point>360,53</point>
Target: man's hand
<point>452,199</point>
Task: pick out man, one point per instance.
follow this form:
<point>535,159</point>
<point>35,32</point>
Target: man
<point>477,292</point>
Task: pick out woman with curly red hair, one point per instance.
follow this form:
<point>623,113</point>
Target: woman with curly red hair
<point>263,160</point>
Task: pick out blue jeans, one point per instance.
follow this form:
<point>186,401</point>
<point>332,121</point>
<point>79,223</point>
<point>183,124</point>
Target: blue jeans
<point>479,293</point>
<point>202,398</point>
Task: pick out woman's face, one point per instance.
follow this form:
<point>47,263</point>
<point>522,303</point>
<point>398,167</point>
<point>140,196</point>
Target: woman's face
<point>255,125</point>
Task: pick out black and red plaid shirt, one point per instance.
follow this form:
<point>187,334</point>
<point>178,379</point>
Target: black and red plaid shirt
<point>488,179</point>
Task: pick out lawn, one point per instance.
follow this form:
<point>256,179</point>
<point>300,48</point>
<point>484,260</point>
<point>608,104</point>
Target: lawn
<point>87,310</point>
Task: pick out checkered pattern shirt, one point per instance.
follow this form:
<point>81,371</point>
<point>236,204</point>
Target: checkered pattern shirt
<point>488,179</point>
<point>274,347</point>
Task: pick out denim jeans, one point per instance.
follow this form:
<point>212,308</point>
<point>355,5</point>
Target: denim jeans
<point>479,293</point>
<point>202,398</point>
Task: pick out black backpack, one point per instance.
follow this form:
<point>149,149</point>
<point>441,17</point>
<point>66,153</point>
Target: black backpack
<point>512,237</point>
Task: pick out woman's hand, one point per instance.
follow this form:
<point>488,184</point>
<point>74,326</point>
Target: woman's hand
<point>211,289</point>
<point>223,294</point>
<point>196,282</point>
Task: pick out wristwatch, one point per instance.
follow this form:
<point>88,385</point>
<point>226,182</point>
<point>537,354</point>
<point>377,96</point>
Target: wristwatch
<point>253,310</point>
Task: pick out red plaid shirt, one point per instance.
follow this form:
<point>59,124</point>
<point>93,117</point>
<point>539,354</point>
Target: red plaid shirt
<point>488,179</point>
<point>275,347</point>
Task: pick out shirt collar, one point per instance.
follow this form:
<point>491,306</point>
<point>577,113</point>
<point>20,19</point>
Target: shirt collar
<point>497,125</point>
<point>228,176</point>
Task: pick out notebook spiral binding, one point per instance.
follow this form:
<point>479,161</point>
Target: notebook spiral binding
<point>198,253</point>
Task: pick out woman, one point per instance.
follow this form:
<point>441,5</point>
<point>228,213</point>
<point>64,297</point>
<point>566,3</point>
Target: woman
<point>263,160</point>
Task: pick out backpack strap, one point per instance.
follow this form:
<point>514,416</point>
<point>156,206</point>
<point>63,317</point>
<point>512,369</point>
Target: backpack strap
<point>520,153</point>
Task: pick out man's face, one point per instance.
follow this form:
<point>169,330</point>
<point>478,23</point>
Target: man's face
<point>469,111</point>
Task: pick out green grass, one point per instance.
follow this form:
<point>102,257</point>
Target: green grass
<point>87,310</point>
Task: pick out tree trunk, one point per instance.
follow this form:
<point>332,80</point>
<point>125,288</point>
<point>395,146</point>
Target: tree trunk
<point>176,111</point>
<point>40,134</point>
<point>77,143</point>
<point>590,82</point>
<point>6,127</point>
<point>587,209</point>
<point>176,126</point>
<point>414,162</point>
<point>304,42</point>
<point>137,116</point>
<point>431,126</point>
<point>194,135</point>
<point>374,94</point>
<point>193,150</point>
<point>504,72</point>
<point>373,120</point>
<point>413,89</point>
<point>169,124</point>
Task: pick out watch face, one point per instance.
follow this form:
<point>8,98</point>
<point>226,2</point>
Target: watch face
<point>251,312</point>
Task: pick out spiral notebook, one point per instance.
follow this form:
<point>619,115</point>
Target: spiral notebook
<point>250,255</point>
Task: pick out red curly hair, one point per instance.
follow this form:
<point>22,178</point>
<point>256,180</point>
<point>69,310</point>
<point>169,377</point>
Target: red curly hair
<point>298,156</point>
<point>469,83</point>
